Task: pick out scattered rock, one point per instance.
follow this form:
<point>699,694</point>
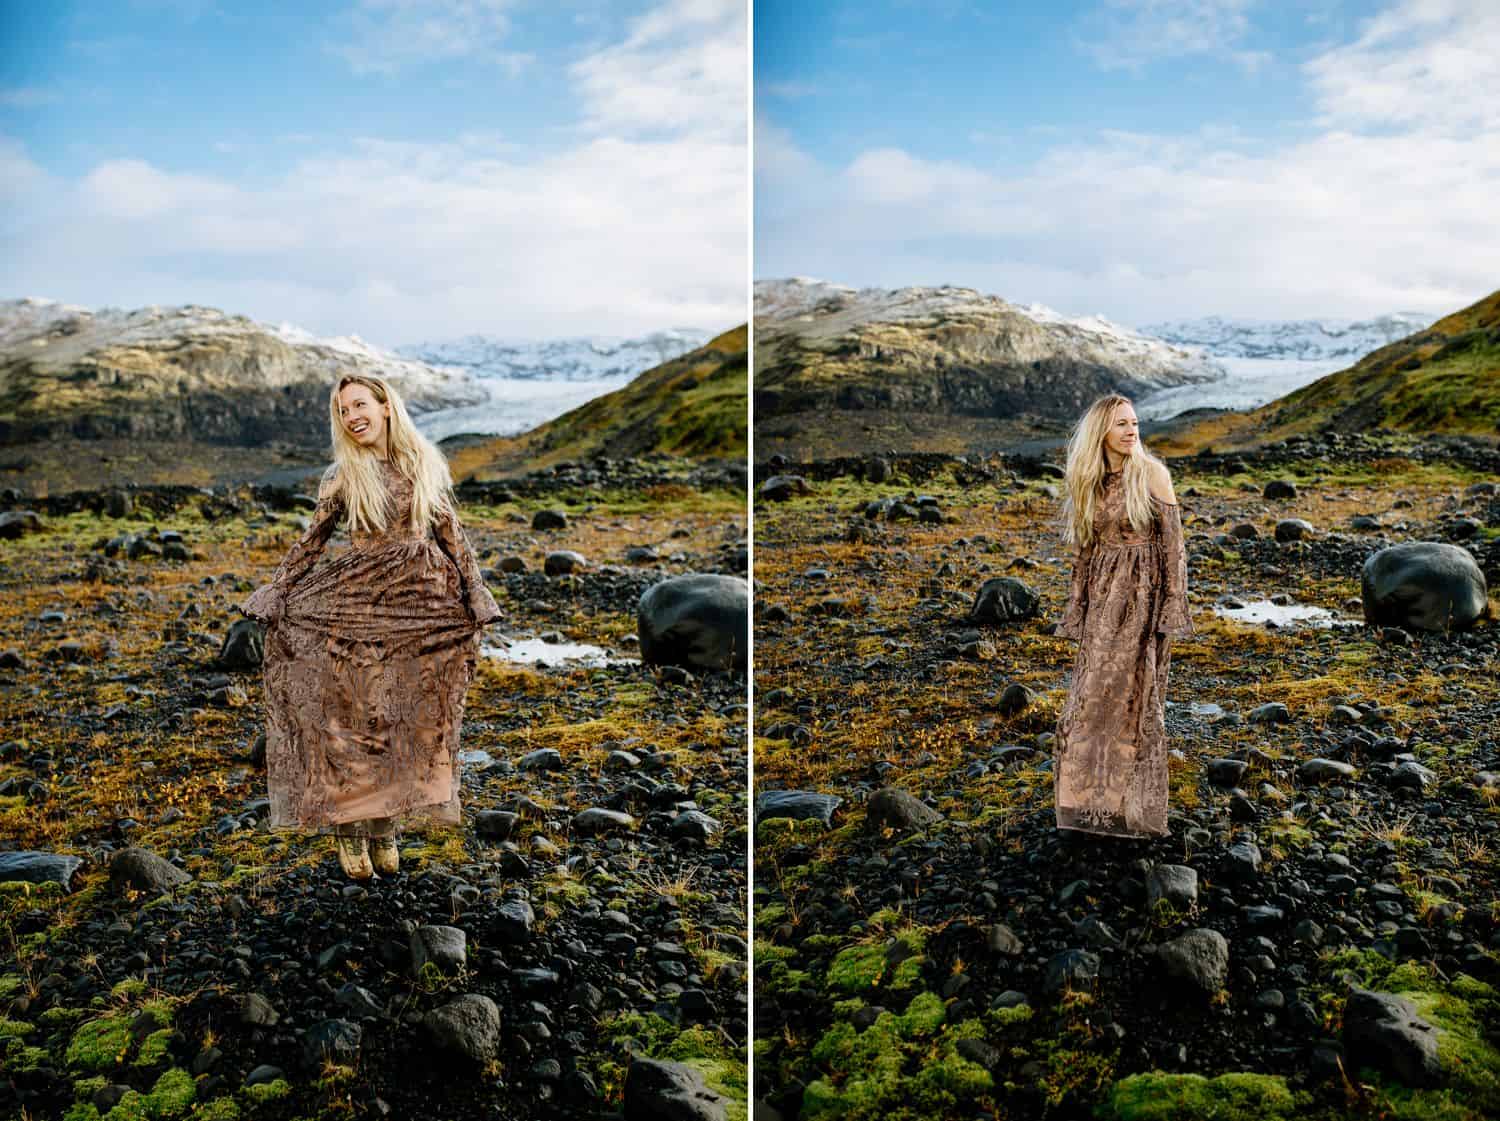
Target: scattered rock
<point>1200,956</point>
<point>667,1091</point>
<point>900,810</point>
<point>468,1026</point>
<point>1384,1031</point>
<point>142,870</point>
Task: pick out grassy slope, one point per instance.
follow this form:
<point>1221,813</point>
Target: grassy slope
<point>1443,379</point>
<point>695,405</point>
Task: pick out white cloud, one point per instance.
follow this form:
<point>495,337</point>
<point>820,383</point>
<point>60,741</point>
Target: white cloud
<point>1429,64</point>
<point>638,225</point>
<point>682,68</point>
<point>1129,34</point>
<point>1389,209</point>
<point>383,36</point>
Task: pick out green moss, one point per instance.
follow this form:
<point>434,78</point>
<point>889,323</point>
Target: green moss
<point>1157,1096</point>
<point>131,1107</point>
<point>1015,1014</point>
<point>10,985</point>
<point>81,1111</point>
<point>220,1109</point>
<point>59,1017</point>
<point>15,1028</point>
<point>18,1056</point>
<point>857,968</point>
<point>99,1044</point>
<point>1072,1073</point>
<point>26,889</point>
<point>867,1071</point>
<point>861,967</point>
<point>272,1091</point>
<point>88,1087</point>
<point>127,988</point>
<point>171,1095</point>
<point>154,1048</point>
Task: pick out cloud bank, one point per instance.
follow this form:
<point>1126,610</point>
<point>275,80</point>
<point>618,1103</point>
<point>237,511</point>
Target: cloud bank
<point>1384,203</point>
<point>637,223</point>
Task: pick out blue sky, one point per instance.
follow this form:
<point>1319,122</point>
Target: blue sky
<point>398,169</point>
<point>1140,159</point>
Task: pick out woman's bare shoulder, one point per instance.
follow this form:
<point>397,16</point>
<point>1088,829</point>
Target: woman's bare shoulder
<point>1159,481</point>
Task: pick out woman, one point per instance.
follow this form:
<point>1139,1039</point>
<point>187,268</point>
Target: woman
<point>1128,600</point>
<point>368,657</point>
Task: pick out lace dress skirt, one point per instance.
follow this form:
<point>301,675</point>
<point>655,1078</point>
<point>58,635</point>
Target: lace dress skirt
<point>368,657</point>
<point>1128,600</point>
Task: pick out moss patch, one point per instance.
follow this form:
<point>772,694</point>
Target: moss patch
<point>860,968</point>
<point>1156,1096</point>
<point>901,1067</point>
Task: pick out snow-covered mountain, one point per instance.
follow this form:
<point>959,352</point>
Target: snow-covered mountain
<point>567,359</point>
<point>527,383</point>
<point>804,307</point>
<point>188,372</point>
<point>1267,359</point>
<point>1307,340</point>
<point>53,336</point>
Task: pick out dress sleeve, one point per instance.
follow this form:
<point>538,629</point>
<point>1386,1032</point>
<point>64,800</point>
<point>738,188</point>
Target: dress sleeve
<point>1078,596</point>
<point>268,602</point>
<point>1175,619</point>
<point>452,539</point>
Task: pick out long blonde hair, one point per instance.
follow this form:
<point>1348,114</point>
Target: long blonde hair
<point>356,470</point>
<point>1085,471</point>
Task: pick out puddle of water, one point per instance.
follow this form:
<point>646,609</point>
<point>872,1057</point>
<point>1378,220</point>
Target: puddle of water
<point>535,652</point>
<point>1289,615</point>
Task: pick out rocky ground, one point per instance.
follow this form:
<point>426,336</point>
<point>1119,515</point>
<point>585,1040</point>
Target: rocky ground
<point>577,949</point>
<point>927,944</point>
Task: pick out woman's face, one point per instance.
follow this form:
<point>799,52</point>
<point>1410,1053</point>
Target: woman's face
<point>364,418</point>
<point>1123,432</point>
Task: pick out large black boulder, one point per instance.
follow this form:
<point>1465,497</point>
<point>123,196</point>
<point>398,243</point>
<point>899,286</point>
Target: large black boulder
<point>699,621</point>
<point>1427,585</point>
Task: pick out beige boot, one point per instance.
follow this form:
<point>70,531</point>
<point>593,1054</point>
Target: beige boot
<point>385,855</point>
<point>354,857</point>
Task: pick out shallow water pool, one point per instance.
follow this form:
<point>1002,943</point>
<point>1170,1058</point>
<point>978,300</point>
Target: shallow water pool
<point>537,652</point>
<point>1285,615</point>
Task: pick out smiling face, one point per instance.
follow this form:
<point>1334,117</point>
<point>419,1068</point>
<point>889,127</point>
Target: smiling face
<point>364,418</point>
<point>1122,435</point>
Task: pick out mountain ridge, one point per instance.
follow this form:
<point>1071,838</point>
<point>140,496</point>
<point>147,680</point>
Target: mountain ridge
<point>185,371</point>
<point>693,406</point>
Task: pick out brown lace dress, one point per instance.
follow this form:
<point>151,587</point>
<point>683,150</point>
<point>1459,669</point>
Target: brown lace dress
<point>1128,600</point>
<point>367,660</point>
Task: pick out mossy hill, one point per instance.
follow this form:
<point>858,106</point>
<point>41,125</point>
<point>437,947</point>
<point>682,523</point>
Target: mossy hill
<point>1445,379</point>
<point>696,405</point>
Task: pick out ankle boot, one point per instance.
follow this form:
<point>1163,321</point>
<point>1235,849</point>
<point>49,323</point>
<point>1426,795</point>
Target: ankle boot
<point>354,857</point>
<point>385,855</point>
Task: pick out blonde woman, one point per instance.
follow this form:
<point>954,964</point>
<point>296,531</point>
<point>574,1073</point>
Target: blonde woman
<point>1127,601</point>
<point>368,657</point>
